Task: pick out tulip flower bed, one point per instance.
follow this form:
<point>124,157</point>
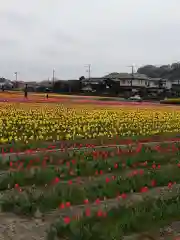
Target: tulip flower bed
<point>80,163</point>
<point>23,123</point>
<point>119,221</point>
<point>90,182</point>
<point>73,178</point>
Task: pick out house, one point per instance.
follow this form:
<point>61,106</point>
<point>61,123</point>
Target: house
<point>139,81</point>
<point>126,80</point>
<point>160,83</point>
<point>175,89</point>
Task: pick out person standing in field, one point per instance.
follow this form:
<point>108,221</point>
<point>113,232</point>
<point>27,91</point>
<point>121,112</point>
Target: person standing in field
<point>47,90</point>
<point>26,91</point>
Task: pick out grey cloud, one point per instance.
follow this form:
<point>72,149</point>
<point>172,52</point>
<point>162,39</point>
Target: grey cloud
<point>39,35</point>
<point>10,43</point>
<point>60,36</point>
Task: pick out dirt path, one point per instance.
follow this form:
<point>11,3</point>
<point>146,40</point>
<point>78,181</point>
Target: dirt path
<point>16,228</point>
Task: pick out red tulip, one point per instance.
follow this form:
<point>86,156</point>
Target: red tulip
<point>16,185</point>
<point>11,164</point>
<point>62,206</point>
<point>67,220</point>
<point>170,184</point>
<point>144,189</point>
<point>113,177</point>
<point>153,183</point>
<point>135,172</point>
<point>115,165</point>
<point>73,161</point>
<point>56,180</point>
<point>88,212</point>
<point>67,164</point>
<point>86,201</point>
<point>123,195</point>
<point>141,172</point>
<point>107,180</point>
<point>99,213</point>
<point>139,148</point>
<point>11,150</point>
<point>101,172</point>
<point>97,201</point>
<point>68,204</point>
<point>154,166</point>
<point>20,165</point>
<point>44,162</point>
<point>70,182</point>
<point>145,163</point>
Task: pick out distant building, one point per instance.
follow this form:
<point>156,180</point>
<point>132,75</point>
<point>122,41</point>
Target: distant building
<point>6,83</point>
<point>19,84</point>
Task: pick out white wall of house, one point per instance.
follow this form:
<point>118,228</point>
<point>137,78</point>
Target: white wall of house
<point>168,84</point>
<point>125,82</point>
<point>176,81</point>
<point>145,83</point>
<point>135,82</point>
<point>139,83</point>
<point>153,84</point>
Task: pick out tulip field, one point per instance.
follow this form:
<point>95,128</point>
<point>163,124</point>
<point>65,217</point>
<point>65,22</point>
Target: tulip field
<point>72,170</point>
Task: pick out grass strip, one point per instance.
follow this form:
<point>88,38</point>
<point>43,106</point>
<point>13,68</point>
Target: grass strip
<point>20,146</point>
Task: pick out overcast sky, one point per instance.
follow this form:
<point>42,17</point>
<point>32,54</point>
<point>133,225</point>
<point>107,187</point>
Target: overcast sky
<point>39,35</point>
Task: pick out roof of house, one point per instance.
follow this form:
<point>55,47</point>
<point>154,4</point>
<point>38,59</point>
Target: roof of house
<point>94,80</point>
<point>117,76</point>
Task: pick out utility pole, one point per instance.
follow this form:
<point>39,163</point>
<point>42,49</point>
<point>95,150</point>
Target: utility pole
<point>89,70</point>
<point>53,76</point>
<point>16,73</point>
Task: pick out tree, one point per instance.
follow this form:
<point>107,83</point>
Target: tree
<point>114,87</point>
<point>81,78</point>
<point>170,71</point>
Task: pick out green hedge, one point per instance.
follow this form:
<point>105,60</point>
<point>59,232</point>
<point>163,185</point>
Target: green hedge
<point>171,101</point>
